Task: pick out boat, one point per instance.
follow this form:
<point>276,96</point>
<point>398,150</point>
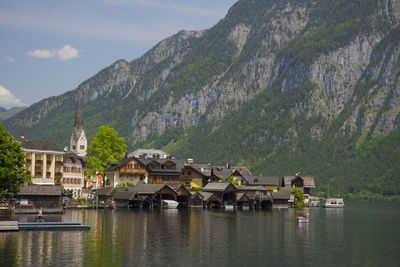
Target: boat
<point>334,203</point>
<point>169,204</point>
<point>314,203</point>
<point>302,219</point>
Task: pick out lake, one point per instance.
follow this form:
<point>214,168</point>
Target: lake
<point>361,234</point>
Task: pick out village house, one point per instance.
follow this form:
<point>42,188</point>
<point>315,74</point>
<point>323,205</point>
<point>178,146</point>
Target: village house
<point>73,176</point>
<point>195,174</point>
<point>163,171</point>
<point>43,160</point>
<point>305,183</point>
<point>223,173</point>
<point>128,171</point>
<point>270,182</point>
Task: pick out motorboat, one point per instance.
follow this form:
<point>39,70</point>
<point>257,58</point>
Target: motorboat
<point>169,204</point>
<point>302,219</point>
<point>334,203</point>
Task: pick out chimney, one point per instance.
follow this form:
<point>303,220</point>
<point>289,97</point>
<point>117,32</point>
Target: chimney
<point>190,161</point>
<point>228,166</point>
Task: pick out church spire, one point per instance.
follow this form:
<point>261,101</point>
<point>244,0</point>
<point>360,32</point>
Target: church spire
<point>78,125</point>
<point>78,143</point>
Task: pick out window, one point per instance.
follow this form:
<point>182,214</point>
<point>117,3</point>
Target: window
<point>141,177</point>
<point>83,147</point>
<point>73,147</point>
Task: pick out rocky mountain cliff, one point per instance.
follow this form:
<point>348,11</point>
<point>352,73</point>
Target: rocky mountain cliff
<point>279,86</point>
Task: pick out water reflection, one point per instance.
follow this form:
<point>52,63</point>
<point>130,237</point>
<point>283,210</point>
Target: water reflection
<point>196,237</point>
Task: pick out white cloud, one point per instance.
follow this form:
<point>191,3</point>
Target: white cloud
<point>64,53</point>
<point>9,59</point>
<point>7,98</point>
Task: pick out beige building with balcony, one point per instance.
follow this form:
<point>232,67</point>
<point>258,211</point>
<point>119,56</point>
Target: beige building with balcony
<point>44,161</point>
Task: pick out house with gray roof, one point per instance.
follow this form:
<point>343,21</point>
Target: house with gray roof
<point>305,183</point>
<point>270,182</point>
<point>163,171</point>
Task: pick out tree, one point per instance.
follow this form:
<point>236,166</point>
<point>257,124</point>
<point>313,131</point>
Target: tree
<point>13,174</point>
<point>298,196</point>
<point>106,147</point>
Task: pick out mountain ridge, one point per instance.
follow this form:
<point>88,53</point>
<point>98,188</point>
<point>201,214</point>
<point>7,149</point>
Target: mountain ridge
<point>278,86</point>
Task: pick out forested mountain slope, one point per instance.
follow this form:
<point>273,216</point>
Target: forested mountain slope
<point>277,85</point>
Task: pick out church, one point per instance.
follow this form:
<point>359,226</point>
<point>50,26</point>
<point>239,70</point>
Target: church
<point>74,160</point>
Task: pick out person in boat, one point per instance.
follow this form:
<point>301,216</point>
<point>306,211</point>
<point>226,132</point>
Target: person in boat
<point>40,215</point>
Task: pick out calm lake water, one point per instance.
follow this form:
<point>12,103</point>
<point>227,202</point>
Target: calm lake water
<point>361,234</point>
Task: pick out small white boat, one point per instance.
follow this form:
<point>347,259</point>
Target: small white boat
<point>334,203</point>
<point>169,204</point>
<point>302,219</point>
<point>229,207</point>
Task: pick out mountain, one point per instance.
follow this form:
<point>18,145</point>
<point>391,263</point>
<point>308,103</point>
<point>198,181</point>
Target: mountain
<point>277,85</point>
<point>5,114</point>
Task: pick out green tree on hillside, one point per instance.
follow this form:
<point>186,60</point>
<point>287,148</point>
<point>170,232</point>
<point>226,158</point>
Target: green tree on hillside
<point>13,174</point>
<point>106,147</point>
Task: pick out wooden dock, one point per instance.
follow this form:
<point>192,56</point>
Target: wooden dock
<point>24,226</point>
<point>9,226</point>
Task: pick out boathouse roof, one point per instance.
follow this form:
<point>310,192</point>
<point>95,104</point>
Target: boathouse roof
<point>105,191</point>
<point>280,195</point>
<point>219,187</point>
<point>41,190</point>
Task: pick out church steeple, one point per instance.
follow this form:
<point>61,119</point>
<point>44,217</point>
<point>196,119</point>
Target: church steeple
<point>78,142</point>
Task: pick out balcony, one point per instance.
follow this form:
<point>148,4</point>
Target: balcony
<point>58,175</point>
<point>48,162</point>
<point>28,160</point>
<point>38,173</point>
<point>58,162</point>
<point>39,161</point>
<point>43,181</point>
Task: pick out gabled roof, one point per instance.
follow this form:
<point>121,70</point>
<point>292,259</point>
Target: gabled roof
<point>280,195</point>
<point>41,190</point>
<point>123,193</point>
<point>308,181</point>
<point>203,169</point>
<point>105,191</point>
<point>41,145</point>
<point>142,188</point>
<point>263,180</point>
<point>225,172</point>
<point>150,153</point>
<point>177,187</point>
<point>252,188</point>
<point>208,196</point>
<point>218,187</point>
<point>116,165</point>
<point>147,162</point>
<point>71,155</point>
<point>241,197</point>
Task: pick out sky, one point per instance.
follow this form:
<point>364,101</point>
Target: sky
<point>48,46</point>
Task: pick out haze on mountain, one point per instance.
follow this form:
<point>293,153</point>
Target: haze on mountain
<point>279,86</point>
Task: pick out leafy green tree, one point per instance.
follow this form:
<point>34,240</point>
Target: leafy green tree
<point>106,147</point>
<point>298,196</point>
<point>13,174</point>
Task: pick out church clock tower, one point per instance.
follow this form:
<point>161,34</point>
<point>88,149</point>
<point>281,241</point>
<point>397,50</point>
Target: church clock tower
<point>78,143</point>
